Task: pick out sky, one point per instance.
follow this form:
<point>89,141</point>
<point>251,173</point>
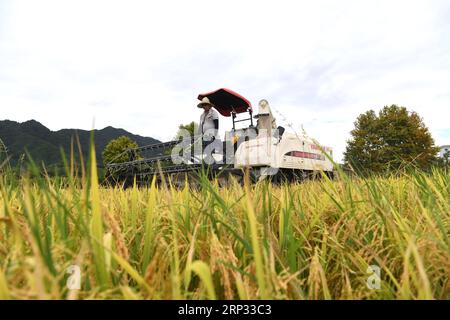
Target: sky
<point>139,65</point>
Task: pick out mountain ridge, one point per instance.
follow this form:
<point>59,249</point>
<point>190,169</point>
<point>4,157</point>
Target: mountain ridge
<point>44,144</point>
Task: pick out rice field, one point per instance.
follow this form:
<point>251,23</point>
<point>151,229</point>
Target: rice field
<point>75,238</point>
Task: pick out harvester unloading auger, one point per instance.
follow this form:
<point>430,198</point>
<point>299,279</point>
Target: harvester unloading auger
<point>265,150</point>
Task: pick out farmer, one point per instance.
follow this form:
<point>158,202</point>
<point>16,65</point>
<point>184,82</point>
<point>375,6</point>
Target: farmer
<point>209,129</point>
<point>209,122</point>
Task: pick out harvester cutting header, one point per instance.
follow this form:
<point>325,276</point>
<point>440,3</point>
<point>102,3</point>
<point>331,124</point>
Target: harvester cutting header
<point>265,149</point>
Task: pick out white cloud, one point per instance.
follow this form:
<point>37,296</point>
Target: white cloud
<point>139,65</point>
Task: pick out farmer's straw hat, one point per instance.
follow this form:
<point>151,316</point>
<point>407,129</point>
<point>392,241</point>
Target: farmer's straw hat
<point>205,101</point>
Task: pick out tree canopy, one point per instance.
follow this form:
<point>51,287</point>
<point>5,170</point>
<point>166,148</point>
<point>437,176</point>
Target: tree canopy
<point>115,150</point>
<point>389,140</point>
<point>190,127</point>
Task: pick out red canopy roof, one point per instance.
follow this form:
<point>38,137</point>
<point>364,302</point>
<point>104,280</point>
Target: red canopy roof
<point>225,101</point>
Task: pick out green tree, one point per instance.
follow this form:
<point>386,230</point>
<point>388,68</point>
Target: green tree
<point>389,140</point>
<point>190,127</point>
<point>115,150</point>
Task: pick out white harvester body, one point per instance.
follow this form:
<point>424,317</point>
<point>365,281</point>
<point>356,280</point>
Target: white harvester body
<point>274,149</point>
<point>291,152</point>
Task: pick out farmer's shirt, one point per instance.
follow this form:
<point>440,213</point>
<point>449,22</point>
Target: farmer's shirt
<point>206,127</point>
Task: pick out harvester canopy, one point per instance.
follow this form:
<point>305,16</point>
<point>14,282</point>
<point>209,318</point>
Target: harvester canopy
<point>227,101</point>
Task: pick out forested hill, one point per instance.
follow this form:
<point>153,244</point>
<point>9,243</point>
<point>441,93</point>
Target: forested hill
<point>44,145</point>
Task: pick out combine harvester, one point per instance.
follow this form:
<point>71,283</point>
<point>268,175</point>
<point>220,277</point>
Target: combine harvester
<point>265,150</point>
